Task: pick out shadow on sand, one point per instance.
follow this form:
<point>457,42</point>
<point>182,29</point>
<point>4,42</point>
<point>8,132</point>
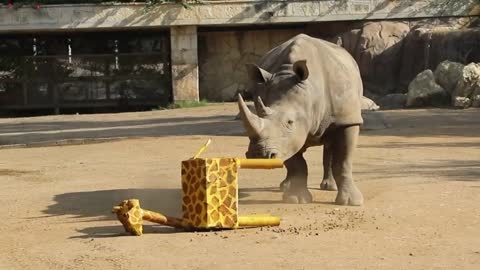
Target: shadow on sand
<point>96,206</point>
<point>88,130</point>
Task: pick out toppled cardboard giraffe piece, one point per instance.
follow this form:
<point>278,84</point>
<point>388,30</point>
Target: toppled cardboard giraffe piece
<point>131,215</point>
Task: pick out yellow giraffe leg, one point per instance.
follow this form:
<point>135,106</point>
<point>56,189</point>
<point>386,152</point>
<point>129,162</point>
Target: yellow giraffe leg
<point>161,219</point>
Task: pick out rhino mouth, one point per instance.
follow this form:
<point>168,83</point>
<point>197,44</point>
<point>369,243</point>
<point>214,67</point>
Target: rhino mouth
<point>264,153</point>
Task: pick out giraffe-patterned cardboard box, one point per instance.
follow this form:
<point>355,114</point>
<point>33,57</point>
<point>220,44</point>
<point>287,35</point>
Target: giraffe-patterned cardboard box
<point>210,190</point>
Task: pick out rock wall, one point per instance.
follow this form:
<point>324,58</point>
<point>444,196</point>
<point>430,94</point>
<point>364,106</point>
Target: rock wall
<point>184,63</point>
<point>377,46</point>
<point>390,54</point>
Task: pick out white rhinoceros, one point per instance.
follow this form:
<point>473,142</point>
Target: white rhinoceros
<point>307,92</point>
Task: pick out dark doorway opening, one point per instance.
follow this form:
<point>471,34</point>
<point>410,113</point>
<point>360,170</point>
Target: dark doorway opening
<point>85,72</point>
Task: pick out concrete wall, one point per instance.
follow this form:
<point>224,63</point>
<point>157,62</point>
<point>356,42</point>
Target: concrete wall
<point>223,55</point>
<point>58,17</point>
<point>184,63</point>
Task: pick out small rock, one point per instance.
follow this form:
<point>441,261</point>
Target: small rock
<point>469,81</point>
<point>476,101</point>
<point>468,86</point>
<point>369,105</point>
<point>461,102</point>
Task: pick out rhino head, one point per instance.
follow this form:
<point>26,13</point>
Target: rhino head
<point>280,128</point>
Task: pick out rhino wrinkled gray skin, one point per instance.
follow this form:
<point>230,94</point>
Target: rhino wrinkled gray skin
<point>307,92</point>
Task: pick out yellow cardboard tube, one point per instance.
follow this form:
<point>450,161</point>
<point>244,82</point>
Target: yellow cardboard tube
<point>258,221</point>
<point>247,163</point>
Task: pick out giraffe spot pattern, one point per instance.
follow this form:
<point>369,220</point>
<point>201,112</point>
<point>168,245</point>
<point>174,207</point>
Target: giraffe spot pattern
<point>210,192</point>
<point>198,208</point>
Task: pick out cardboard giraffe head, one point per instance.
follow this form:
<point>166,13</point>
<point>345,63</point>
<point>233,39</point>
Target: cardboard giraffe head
<point>130,215</point>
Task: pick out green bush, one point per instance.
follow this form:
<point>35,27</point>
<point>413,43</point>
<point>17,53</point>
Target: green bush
<point>188,104</point>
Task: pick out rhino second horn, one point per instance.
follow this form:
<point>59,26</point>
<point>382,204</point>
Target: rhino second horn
<point>252,123</point>
<point>262,110</point>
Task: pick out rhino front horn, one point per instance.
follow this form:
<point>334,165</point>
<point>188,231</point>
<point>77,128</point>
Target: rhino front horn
<point>252,123</point>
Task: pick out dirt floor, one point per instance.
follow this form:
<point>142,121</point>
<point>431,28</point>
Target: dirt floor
<point>420,179</point>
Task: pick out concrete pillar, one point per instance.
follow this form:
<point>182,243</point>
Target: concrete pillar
<point>184,56</point>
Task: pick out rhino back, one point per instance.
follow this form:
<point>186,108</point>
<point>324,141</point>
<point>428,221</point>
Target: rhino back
<point>334,76</point>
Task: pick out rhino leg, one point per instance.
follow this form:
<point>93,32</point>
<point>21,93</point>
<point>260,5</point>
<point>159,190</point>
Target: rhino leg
<point>328,182</point>
<point>297,174</point>
<point>285,184</point>
<point>343,148</point>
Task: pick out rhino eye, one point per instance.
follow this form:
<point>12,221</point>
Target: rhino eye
<point>290,122</point>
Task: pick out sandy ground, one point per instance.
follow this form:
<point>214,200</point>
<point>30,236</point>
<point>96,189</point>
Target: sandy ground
<point>420,179</point>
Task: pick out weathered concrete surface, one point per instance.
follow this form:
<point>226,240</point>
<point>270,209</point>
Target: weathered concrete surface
<point>56,17</point>
<point>223,55</point>
<point>95,128</point>
<point>184,63</point>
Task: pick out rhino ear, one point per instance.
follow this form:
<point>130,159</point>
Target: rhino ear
<point>257,74</point>
<point>300,68</point>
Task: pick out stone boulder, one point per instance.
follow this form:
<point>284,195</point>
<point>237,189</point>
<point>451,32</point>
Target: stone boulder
<point>447,75</point>
<point>424,91</point>
<point>393,101</point>
<point>476,100</point>
<point>377,49</point>
<point>461,102</point>
<point>468,86</point>
<point>369,105</point>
